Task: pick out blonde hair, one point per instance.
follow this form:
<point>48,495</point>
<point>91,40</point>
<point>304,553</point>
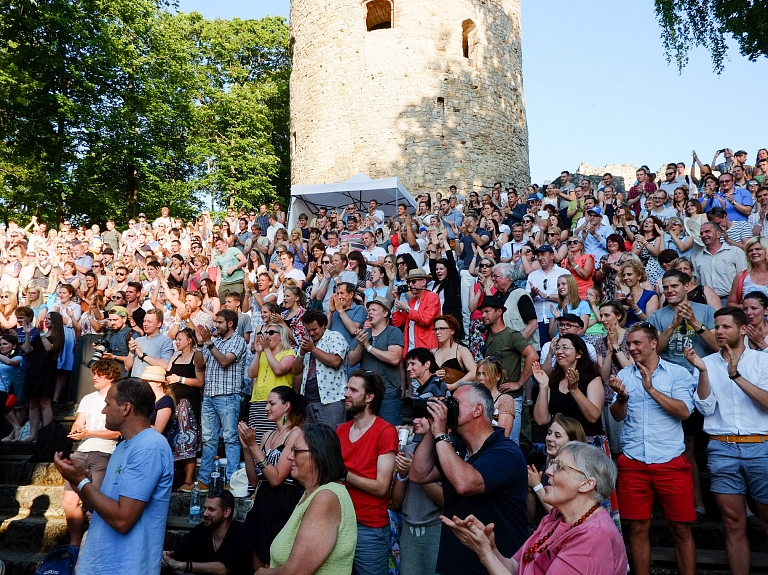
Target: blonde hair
<point>573,293</point>
<point>637,267</point>
<point>751,242</point>
<point>494,371</point>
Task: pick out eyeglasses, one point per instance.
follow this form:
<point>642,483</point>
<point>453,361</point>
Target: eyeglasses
<point>494,276</point>
<point>564,347</point>
<point>559,466</point>
<point>670,173</point>
<point>116,297</point>
<point>545,284</point>
<point>431,251</point>
<point>295,451</point>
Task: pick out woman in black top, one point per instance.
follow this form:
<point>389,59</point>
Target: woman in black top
<point>576,390</point>
<point>447,281</point>
<point>186,375</point>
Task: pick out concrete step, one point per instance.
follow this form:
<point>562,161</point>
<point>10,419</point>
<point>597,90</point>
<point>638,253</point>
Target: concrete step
<point>37,534</point>
<point>20,472</point>
<point>39,500</point>
<point>708,561</point>
<point>21,562</point>
<point>708,535</point>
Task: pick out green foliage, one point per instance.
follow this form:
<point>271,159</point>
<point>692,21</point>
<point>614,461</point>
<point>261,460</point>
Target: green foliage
<point>687,24</point>
<point>111,107</point>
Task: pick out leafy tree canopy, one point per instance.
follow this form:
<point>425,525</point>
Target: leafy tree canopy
<point>686,24</point>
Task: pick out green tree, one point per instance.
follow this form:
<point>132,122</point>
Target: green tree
<point>686,24</point>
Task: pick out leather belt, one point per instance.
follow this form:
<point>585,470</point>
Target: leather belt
<point>740,438</point>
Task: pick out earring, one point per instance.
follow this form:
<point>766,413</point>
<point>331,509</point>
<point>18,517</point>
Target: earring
<point>285,418</point>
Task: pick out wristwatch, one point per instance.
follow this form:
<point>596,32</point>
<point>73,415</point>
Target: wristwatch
<point>210,346</point>
<point>701,330</point>
<point>735,375</point>
<point>442,437</point>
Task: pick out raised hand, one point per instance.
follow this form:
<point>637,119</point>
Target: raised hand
<point>618,386</point>
<point>572,376</point>
<point>539,375</point>
<point>733,361</point>
<point>534,476</point>
<point>693,358</point>
<point>246,435</point>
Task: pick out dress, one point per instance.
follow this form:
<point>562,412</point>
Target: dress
<point>609,281</point>
<point>272,506</point>
<point>40,379</point>
<point>298,329</point>
<point>477,327</point>
<point>642,303</point>
<point>652,266</point>
<point>185,433</point>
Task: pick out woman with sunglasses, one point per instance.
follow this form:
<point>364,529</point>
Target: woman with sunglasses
<point>530,229</point>
<point>270,367</point>
<point>647,245</point>
<point>581,265</point>
<point>676,238</point>
<point>482,288</point>
<point>625,224</point>
<point>8,305</point>
<point>473,204</point>
<point>269,470</point>
<point>577,536</point>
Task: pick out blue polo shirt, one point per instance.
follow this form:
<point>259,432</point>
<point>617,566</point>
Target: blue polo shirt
<point>741,195</point>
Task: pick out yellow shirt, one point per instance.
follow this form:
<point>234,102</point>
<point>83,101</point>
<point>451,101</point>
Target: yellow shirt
<point>266,380</point>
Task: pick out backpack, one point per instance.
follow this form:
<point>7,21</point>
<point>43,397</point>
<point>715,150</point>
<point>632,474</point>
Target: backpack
<point>60,561</point>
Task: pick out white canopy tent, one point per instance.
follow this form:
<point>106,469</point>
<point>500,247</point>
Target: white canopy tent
<point>361,189</point>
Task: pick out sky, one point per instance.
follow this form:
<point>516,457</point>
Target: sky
<point>598,88</point>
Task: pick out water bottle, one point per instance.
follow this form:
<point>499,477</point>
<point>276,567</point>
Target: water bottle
<point>216,474</point>
<point>194,505</point>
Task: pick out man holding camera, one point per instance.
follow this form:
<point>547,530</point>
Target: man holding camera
<point>117,337</point>
<point>419,313</point>
<point>487,477</point>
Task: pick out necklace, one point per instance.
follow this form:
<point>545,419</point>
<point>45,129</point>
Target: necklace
<point>215,545</point>
<point>537,547</point>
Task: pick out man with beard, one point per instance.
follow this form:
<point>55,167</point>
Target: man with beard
<point>215,546</point>
<point>368,445</point>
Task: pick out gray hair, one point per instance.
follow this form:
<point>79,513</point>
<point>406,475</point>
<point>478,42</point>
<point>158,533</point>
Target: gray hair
<point>505,270</point>
<point>478,393</point>
<point>595,464</point>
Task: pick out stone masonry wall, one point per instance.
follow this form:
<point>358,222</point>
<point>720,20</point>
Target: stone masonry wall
<point>405,101</point>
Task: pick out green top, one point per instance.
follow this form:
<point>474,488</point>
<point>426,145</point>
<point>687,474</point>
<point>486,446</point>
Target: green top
<point>596,328</point>
<point>339,562</point>
<point>228,260</point>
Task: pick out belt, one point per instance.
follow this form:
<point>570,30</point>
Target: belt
<point>740,438</point>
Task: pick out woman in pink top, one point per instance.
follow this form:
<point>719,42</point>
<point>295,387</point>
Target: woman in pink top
<point>577,537</point>
<point>484,286</point>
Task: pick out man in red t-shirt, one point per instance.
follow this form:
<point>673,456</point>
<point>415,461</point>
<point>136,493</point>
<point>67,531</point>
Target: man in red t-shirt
<point>369,445</point>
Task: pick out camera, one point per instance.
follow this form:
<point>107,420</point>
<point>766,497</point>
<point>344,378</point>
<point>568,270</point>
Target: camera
<point>100,347</point>
<point>401,289</point>
<point>415,407</point>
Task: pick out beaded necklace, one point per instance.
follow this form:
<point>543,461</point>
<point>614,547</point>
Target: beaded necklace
<point>537,547</point>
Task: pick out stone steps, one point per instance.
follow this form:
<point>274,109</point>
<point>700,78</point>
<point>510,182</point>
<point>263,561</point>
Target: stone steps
<point>39,500</point>
<point>709,562</point>
<point>38,534</point>
<point>20,562</point>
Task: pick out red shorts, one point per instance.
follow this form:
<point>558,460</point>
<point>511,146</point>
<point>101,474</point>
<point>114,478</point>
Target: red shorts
<point>671,482</point>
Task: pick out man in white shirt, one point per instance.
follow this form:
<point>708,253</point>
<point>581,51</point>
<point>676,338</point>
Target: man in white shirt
<point>274,225</point>
<point>732,395</point>
<point>371,252</point>
<point>514,245</point>
<point>376,214</point>
<point>542,284</point>
<point>718,263</point>
<point>411,243</point>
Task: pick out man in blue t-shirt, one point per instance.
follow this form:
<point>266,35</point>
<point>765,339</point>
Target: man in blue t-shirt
<point>131,508</point>
<point>473,235</point>
<point>487,477</point>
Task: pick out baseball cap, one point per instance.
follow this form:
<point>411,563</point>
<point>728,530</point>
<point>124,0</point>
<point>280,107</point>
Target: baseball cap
<point>119,310</point>
<point>595,210</point>
<point>544,248</point>
<point>572,318</point>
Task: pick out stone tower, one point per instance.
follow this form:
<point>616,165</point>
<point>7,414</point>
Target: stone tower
<point>430,91</point>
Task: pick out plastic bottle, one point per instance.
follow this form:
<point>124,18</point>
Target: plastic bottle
<point>194,505</point>
<point>216,476</point>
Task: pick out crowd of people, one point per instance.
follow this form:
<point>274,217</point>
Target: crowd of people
<point>382,379</point>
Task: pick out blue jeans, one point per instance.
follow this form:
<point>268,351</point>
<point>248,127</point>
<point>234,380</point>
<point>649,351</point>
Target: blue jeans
<point>515,434</point>
<point>372,551</point>
<point>221,412</point>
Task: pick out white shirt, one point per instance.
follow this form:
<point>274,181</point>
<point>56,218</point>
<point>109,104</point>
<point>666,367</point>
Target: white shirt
<point>728,410</point>
<point>374,254</point>
<point>536,280</point>
<point>272,230</point>
<point>590,350</point>
<point>91,406</point>
<point>418,256</point>
<point>377,214</point>
<point>511,248</point>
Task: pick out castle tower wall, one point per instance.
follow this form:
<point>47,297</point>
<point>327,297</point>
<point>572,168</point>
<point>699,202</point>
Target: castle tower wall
<point>436,99</point>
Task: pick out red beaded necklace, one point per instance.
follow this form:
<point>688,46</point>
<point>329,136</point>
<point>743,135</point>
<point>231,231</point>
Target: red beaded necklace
<point>537,547</point>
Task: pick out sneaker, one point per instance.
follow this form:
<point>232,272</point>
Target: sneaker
<point>202,487</point>
<point>186,488</point>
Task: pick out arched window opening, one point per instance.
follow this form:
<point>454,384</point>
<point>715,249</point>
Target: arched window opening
<point>468,38</point>
<point>379,15</point>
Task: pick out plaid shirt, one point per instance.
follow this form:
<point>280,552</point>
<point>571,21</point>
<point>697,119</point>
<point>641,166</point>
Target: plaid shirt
<point>225,380</point>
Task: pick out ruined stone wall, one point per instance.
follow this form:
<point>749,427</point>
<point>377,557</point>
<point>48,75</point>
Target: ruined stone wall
<point>405,101</point>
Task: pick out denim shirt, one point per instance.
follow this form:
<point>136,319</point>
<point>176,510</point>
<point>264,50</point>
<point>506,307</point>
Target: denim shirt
<point>649,433</point>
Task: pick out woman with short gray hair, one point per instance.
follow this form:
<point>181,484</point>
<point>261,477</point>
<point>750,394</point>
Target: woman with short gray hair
<point>578,535</point>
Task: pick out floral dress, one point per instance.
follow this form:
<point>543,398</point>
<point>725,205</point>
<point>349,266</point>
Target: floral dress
<point>652,266</point>
<point>298,329</point>
<point>609,282</point>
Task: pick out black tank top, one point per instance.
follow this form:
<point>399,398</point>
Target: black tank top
<point>564,404</point>
<point>181,391</point>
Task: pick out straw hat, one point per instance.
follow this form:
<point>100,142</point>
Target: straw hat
<point>154,373</point>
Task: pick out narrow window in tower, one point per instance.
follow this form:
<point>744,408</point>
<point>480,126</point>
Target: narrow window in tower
<point>468,38</point>
<point>379,15</point>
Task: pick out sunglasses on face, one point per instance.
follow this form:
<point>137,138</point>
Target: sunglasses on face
<point>485,265</point>
<point>272,331</point>
<point>573,242</point>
